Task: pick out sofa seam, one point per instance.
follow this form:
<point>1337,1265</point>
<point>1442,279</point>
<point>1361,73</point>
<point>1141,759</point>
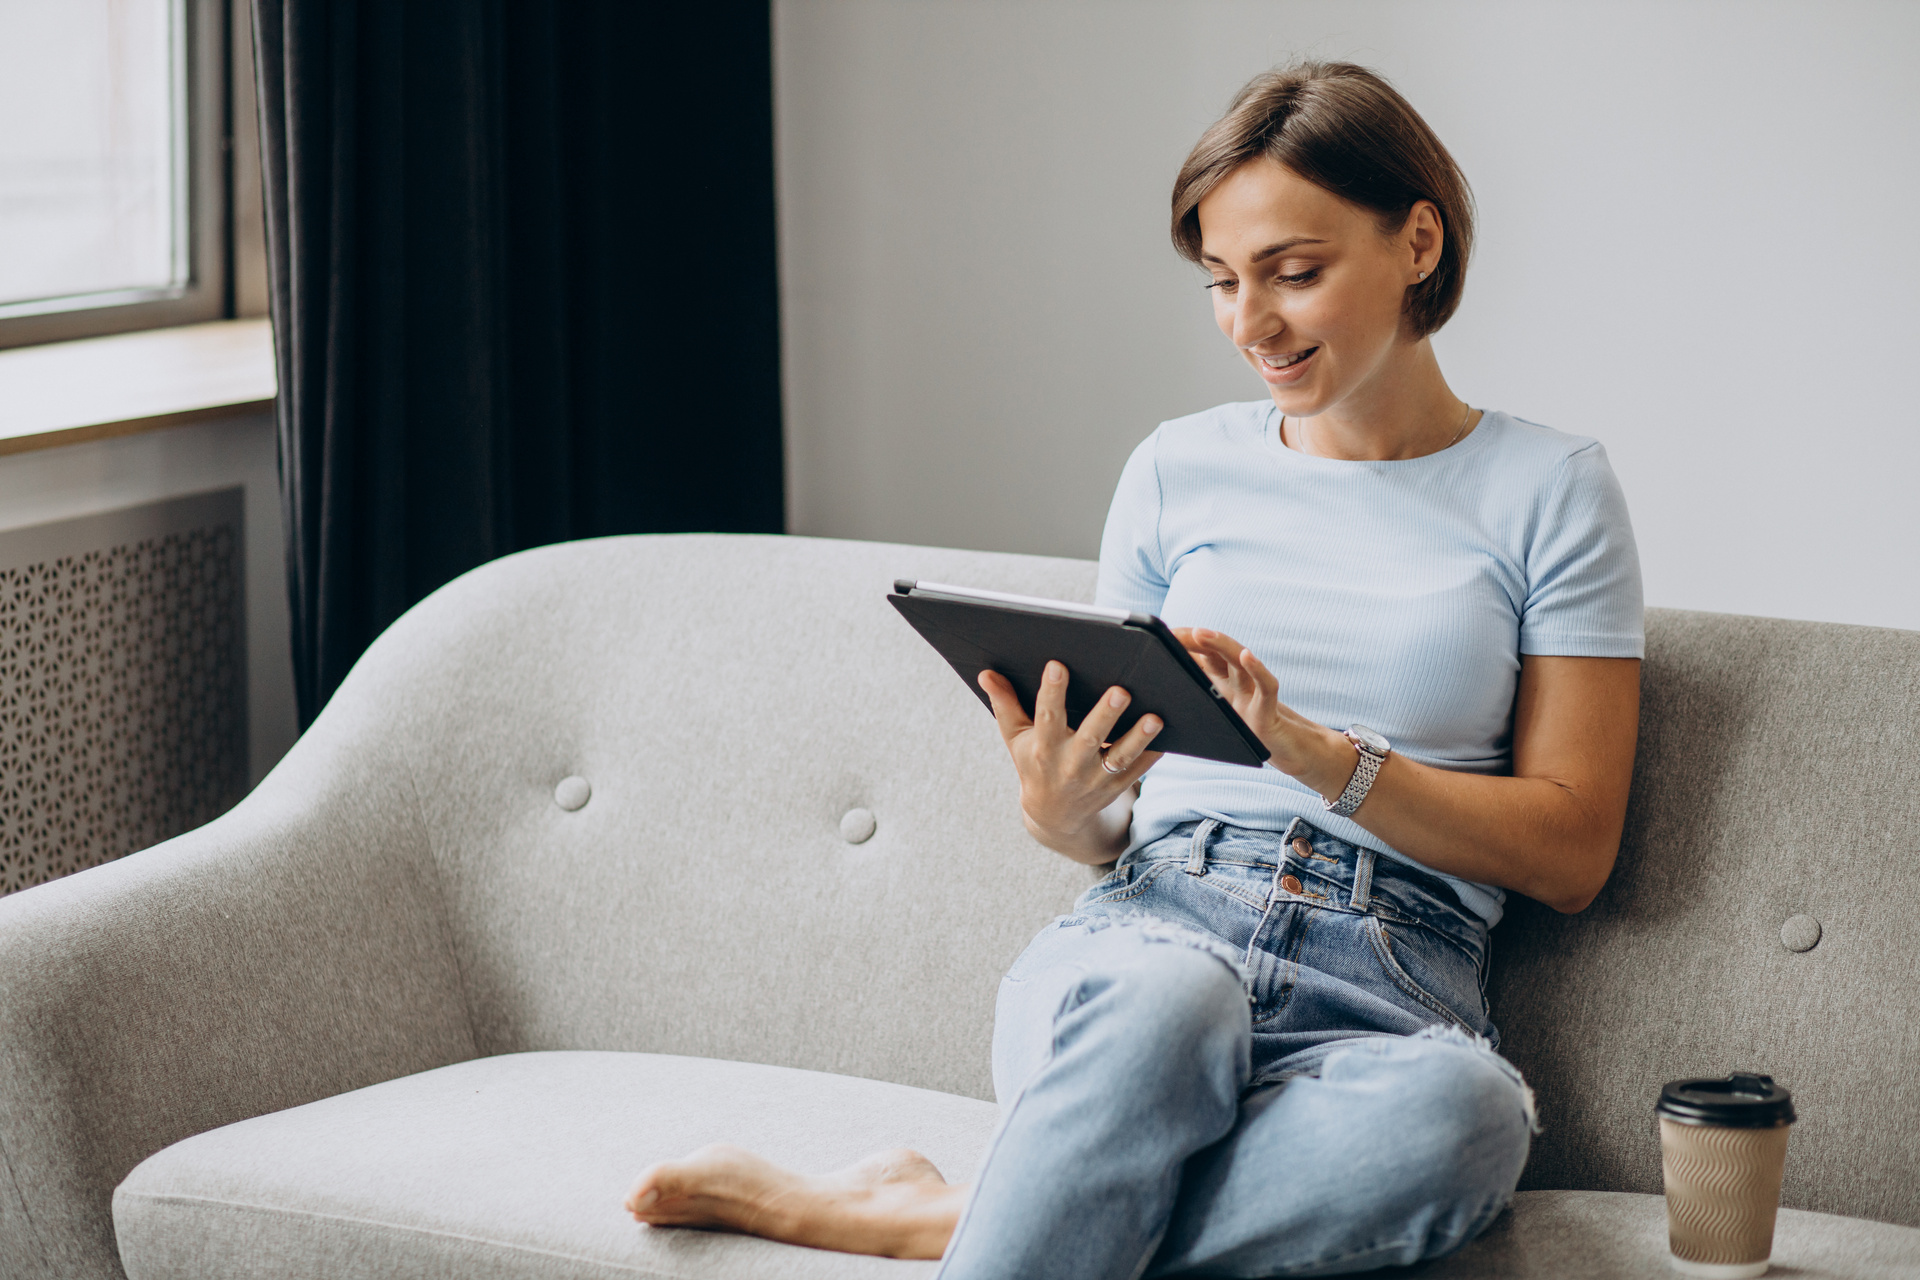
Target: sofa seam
<point>375,1224</point>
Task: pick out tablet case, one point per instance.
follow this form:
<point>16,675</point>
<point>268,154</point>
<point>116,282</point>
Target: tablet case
<point>1139,654</point>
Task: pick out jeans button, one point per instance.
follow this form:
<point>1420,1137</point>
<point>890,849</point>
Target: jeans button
<point>1301,847</point>
<point>1290,883</point>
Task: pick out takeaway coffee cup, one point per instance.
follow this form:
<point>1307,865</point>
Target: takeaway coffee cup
<point>1723,1145</point>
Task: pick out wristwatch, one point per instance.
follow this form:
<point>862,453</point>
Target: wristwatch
<point>1373,751</point>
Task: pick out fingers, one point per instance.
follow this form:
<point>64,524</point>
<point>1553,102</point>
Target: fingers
<point>1050,704</point>
<point>1007,711</point>
<point>1132,773</point>
<point>1228,663</point>
<point>1217,655</point>
<point>1214,667</point>
<point>1256,670</point>
<point>1097,725</point>
<point>1063,779</point>
<point>1130,755</point>
<point>1203,643</point>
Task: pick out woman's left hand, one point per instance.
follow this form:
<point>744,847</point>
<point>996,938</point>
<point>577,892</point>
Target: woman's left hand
<point>1575,721</point>
<point>1313,753</point>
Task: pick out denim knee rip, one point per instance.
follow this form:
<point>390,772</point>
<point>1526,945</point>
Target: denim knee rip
<point>1484,1047</point>
<point>1160,929</point>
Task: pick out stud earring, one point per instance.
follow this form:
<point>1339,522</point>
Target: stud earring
<point>1423,275</point>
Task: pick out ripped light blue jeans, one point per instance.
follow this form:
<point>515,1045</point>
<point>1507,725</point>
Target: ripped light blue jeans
<point>1245,1053</point>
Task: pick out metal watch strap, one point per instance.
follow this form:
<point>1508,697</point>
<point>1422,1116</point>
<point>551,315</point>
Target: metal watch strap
<point>1357,786</point>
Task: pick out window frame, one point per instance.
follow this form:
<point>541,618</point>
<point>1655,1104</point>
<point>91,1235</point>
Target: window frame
<point>211,69</point>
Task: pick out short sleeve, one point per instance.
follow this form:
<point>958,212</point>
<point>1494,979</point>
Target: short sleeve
<point>1583,569</point>
<point>1133,573</point>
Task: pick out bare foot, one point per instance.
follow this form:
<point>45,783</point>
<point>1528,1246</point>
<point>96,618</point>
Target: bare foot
<point>894,1204</point>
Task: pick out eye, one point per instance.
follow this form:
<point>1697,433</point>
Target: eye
<point>1225,286</point>
<point>1304,278</point>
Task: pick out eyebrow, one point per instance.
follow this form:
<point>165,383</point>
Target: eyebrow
<point>1269,251</point>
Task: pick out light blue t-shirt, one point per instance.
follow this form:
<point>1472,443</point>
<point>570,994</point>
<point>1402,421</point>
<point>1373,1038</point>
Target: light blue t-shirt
<point>1397,595</point>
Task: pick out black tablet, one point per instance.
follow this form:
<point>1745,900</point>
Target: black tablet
<point>977,631</point>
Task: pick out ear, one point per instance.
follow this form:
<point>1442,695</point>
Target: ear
<point>1422,235</point>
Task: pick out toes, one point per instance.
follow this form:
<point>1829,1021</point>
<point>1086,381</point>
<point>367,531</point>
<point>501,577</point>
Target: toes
<point>662,1185</point>
<point>646,1191</point>
<point>716,1183</point>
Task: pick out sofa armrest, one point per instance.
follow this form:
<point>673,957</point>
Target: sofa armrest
<point>295,948</point>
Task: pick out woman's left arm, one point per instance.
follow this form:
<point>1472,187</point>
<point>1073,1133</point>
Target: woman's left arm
<point>1550,831</point>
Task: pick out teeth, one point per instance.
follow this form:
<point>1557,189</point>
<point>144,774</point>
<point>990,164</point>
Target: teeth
<point>1282,362</point>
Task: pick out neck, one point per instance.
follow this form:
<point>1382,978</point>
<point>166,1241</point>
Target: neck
<point>1406,410</point>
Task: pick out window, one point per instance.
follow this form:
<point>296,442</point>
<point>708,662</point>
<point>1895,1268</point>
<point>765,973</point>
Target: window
<point>119,168</point>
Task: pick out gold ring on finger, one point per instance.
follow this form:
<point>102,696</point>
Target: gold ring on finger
<point>1107,764</point>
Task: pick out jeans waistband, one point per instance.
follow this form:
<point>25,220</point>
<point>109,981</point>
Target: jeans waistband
<point>1330,872</point>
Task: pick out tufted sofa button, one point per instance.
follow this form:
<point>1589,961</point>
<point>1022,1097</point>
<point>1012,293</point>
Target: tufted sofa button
<point>1800,933</point>
<point>857,826</point>
<point>572,793</point>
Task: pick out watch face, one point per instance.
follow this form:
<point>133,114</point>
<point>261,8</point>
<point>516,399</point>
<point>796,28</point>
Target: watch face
<point>1373,741</point>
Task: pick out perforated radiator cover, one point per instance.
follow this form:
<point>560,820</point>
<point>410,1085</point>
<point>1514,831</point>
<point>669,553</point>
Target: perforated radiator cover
<point>123,717</point>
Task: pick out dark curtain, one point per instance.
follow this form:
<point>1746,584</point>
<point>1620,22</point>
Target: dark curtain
<point>523,288</point>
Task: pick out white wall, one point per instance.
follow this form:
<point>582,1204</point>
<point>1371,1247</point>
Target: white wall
<point>1697,244</point>
<point>82,479</point>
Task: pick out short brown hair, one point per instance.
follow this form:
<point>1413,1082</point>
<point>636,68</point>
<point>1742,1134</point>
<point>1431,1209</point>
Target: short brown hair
<point>1344,129</point>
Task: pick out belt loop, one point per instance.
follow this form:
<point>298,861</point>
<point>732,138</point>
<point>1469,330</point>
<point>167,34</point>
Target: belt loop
<point>1362,880</point>
<point>1197,851</point>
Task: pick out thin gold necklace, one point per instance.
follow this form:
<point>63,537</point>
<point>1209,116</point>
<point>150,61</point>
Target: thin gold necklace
<point>1302,424</point>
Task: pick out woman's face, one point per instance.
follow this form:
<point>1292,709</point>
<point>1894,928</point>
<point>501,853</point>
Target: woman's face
<point>1307,287</point>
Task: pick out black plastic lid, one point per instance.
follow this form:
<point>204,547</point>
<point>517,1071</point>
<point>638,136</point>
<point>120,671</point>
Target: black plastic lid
<point>1742,1100</point>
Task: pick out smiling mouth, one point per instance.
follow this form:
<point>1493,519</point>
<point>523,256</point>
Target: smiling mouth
<point>1286,362</point>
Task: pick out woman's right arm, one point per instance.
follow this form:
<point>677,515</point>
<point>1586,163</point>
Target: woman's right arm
<point>1072,803</point>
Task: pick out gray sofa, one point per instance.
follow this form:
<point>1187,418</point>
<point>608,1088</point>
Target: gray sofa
<point>413,1009</point>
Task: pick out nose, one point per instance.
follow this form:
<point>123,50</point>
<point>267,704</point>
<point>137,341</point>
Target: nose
<point>1255,319</point>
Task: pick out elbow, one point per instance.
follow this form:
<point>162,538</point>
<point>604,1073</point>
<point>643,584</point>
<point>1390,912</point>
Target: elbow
<point>1589,844</point>
<point>1573,904</point>
<point>1583,874</point>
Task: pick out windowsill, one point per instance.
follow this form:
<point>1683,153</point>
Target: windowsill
<point>67,392</point>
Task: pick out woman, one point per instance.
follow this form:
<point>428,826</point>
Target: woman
<point>1261,1045</point>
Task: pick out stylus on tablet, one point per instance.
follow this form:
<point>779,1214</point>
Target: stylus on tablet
<point>1034,604</point>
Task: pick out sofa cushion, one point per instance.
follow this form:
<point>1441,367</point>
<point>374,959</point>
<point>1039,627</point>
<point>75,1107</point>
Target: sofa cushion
<point>1619,1235</point>
<point>515,1166</point>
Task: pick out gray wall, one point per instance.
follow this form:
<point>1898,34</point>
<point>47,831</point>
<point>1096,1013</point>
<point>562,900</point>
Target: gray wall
<point>1696,246</point>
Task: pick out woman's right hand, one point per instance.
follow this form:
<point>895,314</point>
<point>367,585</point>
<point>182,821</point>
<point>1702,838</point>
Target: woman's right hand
<point>1072,802</point>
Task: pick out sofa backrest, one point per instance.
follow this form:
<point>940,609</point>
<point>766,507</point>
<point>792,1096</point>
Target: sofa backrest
<point>1778,780</point>
<point>729,699</point>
